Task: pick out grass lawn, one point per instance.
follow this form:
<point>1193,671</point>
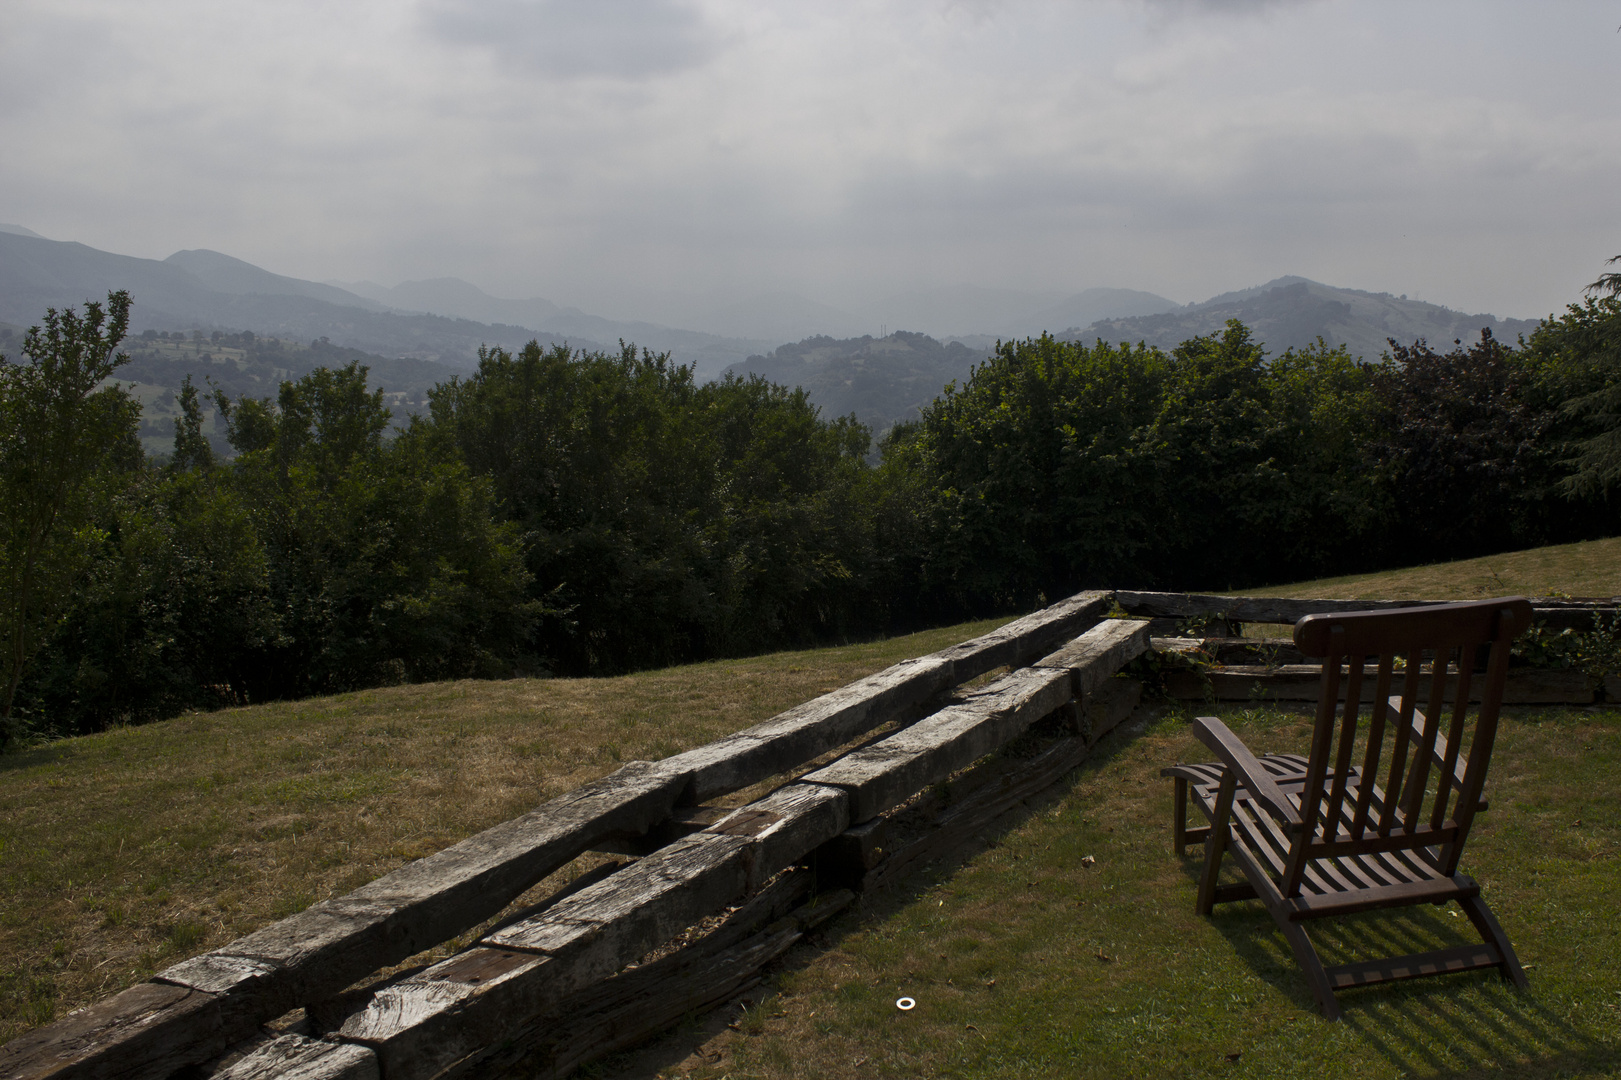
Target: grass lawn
<point>1589,568</point>
<point>124,852</point>
<point>1025,962</point>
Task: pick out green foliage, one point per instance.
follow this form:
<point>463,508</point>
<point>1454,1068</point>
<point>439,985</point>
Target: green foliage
<point>1060,465</point>
<point>1464,448</point>
<point>1595,652</point>
<point>57,432</point>
<point>597,512</point>
<point>666,520</point>
<point>322,557</point>
<point>1578,359</point>
<point>386,562</point>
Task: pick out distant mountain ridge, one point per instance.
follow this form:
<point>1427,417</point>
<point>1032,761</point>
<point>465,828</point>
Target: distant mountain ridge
<point>209,290</point>
<point>889,379</point>
<point>1293,312</point>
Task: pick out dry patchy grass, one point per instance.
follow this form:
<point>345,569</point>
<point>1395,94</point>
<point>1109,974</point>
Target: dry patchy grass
<point>1025,962</point>
<point>124,852</point>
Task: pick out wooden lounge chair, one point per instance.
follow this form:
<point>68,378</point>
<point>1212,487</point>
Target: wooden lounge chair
<point>1319,836</point>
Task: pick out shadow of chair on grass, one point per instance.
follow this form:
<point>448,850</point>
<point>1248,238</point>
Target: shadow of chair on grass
<point>1468,1024</point>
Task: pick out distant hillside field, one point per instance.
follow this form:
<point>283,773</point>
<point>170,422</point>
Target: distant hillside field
<point>247,366</point>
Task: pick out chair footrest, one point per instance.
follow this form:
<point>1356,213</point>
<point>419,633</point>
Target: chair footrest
<point>1439,962</point>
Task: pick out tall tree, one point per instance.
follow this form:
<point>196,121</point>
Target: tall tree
<point>58,429</point>
<point>1598,457</point>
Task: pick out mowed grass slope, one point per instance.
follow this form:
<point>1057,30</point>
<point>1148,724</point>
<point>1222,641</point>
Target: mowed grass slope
<point>1588,568</point>
<point>124,852</point>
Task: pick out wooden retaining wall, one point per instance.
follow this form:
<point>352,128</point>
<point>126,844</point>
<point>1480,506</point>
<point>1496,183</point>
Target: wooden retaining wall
<point>1227,667</point>
<point>578,975</point>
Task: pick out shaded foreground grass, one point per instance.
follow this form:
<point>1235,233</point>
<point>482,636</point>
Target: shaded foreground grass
<point>1026,962</point>
<point>124,852</point>
<point>1589,568</point>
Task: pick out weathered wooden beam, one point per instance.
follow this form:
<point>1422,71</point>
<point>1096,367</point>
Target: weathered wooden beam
<point>157,1028</point>
<point>1303,682</point>
<point>453,1009</point>
<point>1266,651</point>
<point>888,772</point>
<point>635,1004</point>
<point>294,1057</point>
<point>824,723</point>
<point>1556,614</point>
<point>1098,654</point>
<point>950,829</point>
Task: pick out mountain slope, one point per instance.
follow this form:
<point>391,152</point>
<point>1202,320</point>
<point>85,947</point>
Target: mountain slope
<point>455,298</point>
<point>884,381</point>
<point>222,273</point>
<point>202,289</point>
<point>1292,312</point>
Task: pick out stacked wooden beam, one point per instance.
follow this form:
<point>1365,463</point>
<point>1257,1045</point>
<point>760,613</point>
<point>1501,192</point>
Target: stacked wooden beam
<point>435,1019</point>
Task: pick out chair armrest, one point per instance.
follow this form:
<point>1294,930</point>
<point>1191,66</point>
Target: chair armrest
<point>1246,769</point>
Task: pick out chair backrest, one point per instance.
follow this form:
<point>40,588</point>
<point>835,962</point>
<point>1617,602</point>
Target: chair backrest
<point>1431,772</point>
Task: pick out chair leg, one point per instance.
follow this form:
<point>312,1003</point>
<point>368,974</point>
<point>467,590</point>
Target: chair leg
<point>1215,844</point>
<point>1179,816</point>
<point>1306,957</point>
<point>1491,932</point>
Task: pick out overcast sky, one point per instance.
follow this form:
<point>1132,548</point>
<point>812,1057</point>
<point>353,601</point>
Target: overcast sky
<point>599,153</point>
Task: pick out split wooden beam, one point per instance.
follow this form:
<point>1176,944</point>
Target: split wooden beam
<point>458,1008</point>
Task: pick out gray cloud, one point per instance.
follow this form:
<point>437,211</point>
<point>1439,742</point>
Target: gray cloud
<point>609,154</point>
<point>627,39</point>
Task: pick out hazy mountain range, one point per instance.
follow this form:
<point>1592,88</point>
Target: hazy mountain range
<point>446,319</point>
<point>1294,312</point>
<point>881,359</point>
<point>886,380</point>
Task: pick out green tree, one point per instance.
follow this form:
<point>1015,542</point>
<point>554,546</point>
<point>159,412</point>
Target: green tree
<point>1594,331</point>
<point>667,520</point>
<point>385,559</point>
<point>59,428</point>
<point>1061,465</point>
<point>191,449</point>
